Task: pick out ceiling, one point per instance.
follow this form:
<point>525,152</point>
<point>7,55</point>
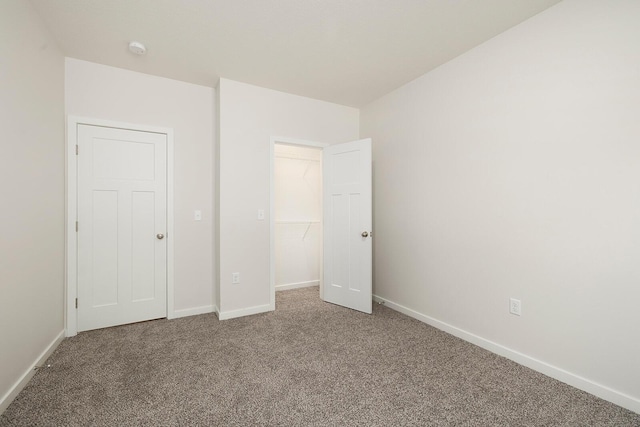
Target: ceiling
<point>345,51</point>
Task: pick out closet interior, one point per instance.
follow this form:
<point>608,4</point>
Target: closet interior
<point>298,213</point>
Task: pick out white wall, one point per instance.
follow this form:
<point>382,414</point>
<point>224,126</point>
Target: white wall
<point>298,210</point>
<point>249,116</point>
<point>103,92</point>
<point>32,193</point>
<point>514,171</point>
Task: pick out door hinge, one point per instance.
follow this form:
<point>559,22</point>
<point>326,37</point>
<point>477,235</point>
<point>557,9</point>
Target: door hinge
<point>76,302</point>
<point>76,149</point>
<point>76,226</point>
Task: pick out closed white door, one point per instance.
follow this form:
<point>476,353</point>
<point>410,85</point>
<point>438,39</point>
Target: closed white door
<point>122,217</point>
<point>347,221</point>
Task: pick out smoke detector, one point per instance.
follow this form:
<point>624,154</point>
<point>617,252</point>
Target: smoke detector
<point>137,48</point>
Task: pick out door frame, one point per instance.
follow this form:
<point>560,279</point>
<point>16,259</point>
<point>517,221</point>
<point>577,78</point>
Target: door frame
<point>71,237</point>
<point>272,220</point>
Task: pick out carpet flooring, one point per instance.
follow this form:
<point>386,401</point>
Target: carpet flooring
<point>308,363</point>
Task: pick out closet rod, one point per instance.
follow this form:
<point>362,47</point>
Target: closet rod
<point>297,158</point>
<point>298,222</point>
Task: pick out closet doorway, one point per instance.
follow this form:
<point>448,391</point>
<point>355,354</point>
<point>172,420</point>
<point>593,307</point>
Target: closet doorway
<point>321,218</point>
<point>296,215</point>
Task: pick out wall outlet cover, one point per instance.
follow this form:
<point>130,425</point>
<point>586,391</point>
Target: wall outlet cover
<point>515,306</point>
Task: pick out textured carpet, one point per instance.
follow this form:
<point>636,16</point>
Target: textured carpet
<point>309,363</point>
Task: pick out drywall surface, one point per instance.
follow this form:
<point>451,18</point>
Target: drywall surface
<point>514,171</point>
<point>109,93</point>
<point>249,117</point>
<point>32,189</point>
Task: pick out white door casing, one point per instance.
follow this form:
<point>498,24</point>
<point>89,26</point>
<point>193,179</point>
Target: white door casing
<point>121,212</point>
<point>347,221</point>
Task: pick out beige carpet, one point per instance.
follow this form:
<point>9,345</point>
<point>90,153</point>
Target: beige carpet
<point>309,363</point>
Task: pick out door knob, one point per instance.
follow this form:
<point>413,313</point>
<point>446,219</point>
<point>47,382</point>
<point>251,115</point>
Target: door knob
<point>365,234</point>
<point>160,236</point>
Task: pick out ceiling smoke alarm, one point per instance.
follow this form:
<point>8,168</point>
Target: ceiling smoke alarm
<point>137,48</point>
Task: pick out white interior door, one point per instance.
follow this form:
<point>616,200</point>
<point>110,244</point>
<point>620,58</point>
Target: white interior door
<point>122,217</point>
<point>347,224</point>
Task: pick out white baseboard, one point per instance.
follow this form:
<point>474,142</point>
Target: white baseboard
<point>226,315</point>
<point>629,402</point>
<point>6,400</point>
<point>298,285</point>
<point>193,311</point>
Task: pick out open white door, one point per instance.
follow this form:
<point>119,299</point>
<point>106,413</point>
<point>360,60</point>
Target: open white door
<point>347,221</point>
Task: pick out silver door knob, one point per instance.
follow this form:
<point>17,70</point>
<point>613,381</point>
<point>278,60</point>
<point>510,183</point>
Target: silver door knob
<point>160,236</point>
<point>365,234</point>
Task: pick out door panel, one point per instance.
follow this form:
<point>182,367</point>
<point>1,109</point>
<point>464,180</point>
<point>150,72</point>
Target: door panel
<point>121,208</point>
<point>105,248</point>
<point>347,214</point>
<point>142,247</point>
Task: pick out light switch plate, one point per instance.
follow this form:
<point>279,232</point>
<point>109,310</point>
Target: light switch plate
<point>260,214</point>
<point>197,215</point>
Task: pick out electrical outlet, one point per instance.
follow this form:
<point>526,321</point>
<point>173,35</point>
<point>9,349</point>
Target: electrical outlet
<point>515,306</point>
<point>235,278</point>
